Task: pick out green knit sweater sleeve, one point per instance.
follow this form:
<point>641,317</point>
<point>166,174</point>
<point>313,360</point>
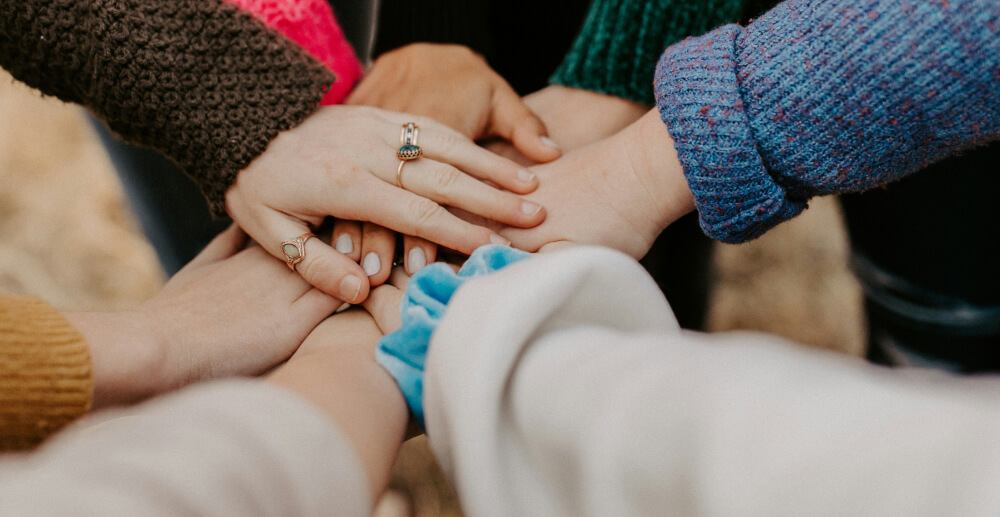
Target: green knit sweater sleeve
<point>616,51</point>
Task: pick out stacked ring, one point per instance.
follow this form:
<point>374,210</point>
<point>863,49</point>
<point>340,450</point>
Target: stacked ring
<point>408,149</point>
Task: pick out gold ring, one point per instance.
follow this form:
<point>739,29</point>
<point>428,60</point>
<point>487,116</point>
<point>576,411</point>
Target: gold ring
<point>295,249</point>
<point>399,174</point>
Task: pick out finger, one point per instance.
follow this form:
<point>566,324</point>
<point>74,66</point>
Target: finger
<point>223,246</point>
<point>383,305</point>
<point>399,279</point>
<point>555,246</point>
<point>417,253</point>
<point>314,305</point>
<point>513,121</point>
<point>346,239</point>
<point>410,214</point>
<point>447,185</point>
<point>378,245</point>
<point>447,145</point>
<point>322,266</point>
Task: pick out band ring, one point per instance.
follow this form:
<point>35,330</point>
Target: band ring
<point>399,174</point>
<point>295,249</point>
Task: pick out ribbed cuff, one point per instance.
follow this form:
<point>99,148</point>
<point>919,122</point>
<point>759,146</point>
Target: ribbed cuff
<point>460,22</point>
<point>621,40</point>
<point>699,100</point>
<point>45,372</point>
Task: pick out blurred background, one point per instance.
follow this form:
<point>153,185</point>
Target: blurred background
<point>67,236</point>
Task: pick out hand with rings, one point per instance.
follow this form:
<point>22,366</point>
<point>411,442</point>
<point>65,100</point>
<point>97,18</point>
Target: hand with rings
<point>346,162</point>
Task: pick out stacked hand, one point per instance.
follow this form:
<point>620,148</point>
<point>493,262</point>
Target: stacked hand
<point>342,162</point>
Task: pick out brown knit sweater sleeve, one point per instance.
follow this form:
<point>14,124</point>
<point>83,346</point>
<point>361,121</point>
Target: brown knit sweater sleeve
<point>45,373</point>
<point>199,80</point>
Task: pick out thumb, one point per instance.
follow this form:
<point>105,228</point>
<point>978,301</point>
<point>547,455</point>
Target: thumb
<point>513,121</point>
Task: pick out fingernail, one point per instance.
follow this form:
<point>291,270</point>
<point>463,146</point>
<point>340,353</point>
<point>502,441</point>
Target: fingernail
<point>344,244</point>
<point>549,142</point>
<point>525,175</point>
<point>372,264</point>
<point>496,239</point>
<point>343,307</point>
<point>530,208</point>
<point>350,288</point>
<point>416,260</point>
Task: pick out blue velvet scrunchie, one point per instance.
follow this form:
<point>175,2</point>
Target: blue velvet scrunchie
<point>404,352</point>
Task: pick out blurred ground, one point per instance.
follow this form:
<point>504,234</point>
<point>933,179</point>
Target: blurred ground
<point>67,237</point>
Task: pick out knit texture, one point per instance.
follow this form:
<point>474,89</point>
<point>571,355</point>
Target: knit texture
<point>199,80</point>
<point>312,25</point>
<point>825,96</point>
<point>45,373</point>
<point>615,52</point>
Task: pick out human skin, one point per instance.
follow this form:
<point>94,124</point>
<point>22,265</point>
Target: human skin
<point>455,86</point>
<point>231,311</point>
<point>341,162</point>
<point>335,370</point>
<point>620,192</point>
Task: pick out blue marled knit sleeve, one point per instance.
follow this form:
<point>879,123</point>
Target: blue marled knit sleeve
<point>826,96</point>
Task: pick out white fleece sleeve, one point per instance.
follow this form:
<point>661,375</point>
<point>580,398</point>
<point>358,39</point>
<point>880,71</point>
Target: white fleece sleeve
<point>238,447</point>
<point>562,385</point>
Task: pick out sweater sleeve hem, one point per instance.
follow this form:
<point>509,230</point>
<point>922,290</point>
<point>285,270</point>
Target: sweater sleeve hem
<point>698,96</point>
<point>45,372</point>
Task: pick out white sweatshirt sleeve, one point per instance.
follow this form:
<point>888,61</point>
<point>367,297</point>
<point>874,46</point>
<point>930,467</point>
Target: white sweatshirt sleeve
<point>562,385</point>
<point>239,447</point>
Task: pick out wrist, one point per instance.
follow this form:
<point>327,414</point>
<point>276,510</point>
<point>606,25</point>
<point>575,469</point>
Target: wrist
<point>652,155</point>
<point>359,397</point>
<point>126,357</point>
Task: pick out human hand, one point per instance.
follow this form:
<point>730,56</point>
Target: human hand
<point>228,312</point>
<point>455,86</point>
<point>342,162</point>
<point>620,192</point>
<point>576,117</point>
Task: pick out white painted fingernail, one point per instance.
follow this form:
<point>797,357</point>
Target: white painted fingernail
<point>372,264</point>
<point>530,208</point>
<point>525,175</point>
<point>416,260</point>
<point>344,244</point>
<point>549,142</point>
<point>496,239</point>
<point>343,307</point>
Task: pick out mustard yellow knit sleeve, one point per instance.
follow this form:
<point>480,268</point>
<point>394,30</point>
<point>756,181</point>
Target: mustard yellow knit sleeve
<point>45,372</point>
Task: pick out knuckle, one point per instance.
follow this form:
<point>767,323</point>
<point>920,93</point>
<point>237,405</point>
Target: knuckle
<point>425,212</point>
<point>447,142</point>
<point>445,179</point>
<point>319,272</point>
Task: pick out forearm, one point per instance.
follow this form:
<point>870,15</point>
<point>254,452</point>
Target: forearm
<point>128,364</point>
<point>616,50</point>
<point>196,79</point>
<point>359,397</point>
<point>819,97</point>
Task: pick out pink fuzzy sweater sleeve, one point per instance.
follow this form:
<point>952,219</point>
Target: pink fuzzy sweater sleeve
<point>312,25</point>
